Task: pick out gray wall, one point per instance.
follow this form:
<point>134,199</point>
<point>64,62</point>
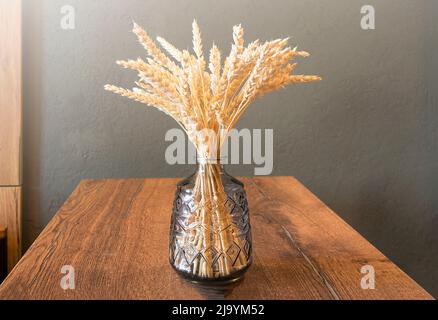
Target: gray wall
<point>364,139</point>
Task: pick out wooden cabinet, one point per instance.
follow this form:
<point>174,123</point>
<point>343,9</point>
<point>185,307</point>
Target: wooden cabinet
<point>11,125</point>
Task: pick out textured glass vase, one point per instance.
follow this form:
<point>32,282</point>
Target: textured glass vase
<point>210,235</point>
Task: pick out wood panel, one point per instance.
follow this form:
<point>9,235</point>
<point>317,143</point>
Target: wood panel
<point>11,125</point>
<point>3,254</point>
<point>10,217</point>
<point>10,92</point>
<point>115,235</point>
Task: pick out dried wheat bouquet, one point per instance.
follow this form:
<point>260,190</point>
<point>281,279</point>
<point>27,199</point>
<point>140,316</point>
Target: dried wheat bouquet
<point>215,98</point>
<point>208,98</point>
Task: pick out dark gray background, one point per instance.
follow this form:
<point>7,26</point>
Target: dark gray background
<point>364,139</point>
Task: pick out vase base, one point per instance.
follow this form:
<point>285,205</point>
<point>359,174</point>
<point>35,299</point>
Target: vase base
<point>230,280</point>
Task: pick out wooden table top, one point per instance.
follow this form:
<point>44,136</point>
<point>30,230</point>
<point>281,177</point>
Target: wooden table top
<point>115,235</point>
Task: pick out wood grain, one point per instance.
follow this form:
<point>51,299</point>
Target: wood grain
<point>115,234</point>
<point>10,125</point>
<point>10,217</point>
<point>3,254</point>
<point>10,92</point>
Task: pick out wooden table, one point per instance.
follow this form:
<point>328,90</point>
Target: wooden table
<point>115,235</point>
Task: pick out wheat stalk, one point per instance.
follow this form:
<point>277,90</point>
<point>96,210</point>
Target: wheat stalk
<point>214,100</point>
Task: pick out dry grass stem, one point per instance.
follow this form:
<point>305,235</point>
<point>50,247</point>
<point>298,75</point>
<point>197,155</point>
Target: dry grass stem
<point>207,100</point>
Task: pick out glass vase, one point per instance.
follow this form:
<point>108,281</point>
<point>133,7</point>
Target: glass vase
<point>210,233</point>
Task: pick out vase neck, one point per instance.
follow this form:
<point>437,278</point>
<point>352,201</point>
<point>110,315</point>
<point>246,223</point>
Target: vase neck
<point>203,163</point>
<point>213,158</point>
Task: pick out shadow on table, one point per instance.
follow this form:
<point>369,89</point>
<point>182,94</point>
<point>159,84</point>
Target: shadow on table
<point>215,291</point>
